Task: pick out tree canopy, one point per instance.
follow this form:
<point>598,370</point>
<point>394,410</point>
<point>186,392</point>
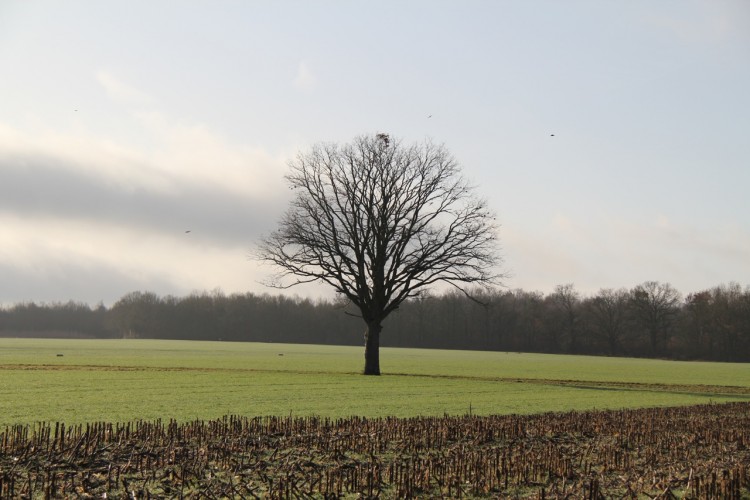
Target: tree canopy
<point>381,221</point>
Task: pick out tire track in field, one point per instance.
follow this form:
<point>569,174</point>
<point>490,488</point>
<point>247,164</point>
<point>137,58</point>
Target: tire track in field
<point>698,389</point>
<point>693,389</point>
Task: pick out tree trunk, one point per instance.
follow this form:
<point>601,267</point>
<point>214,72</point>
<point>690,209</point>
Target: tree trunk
<point>372,348</point>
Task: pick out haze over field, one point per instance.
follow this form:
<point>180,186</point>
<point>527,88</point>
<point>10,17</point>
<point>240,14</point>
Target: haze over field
<point>143,147</point>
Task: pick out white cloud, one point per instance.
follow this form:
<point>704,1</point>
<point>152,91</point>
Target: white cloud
<point>171,153</point>
<point>120,91</point>
<point>194,152</point>
<point>108,213</point>
<point>101,158</point>
<point>305,80</point>
<point>561,222</point>
<point>93,261</point>
<point>662,221</point>
<point>43,247</point>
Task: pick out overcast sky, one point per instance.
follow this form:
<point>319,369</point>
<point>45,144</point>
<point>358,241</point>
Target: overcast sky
<point>611,138</point>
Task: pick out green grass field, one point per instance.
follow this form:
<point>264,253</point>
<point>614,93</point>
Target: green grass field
<point>123,380</point>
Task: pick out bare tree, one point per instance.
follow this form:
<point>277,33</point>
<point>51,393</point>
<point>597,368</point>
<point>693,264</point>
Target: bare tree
<point>380,222</point>
<point>567,300</point>
<point>608,315</point>
<point>656,305</point>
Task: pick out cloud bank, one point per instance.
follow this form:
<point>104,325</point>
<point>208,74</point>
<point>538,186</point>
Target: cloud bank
<point>90,219</point>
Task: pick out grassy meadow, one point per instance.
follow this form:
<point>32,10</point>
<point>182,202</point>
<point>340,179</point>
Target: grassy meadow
<point>78,381</point>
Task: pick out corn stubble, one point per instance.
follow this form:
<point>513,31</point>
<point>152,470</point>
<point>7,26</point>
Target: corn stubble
<point>691,452</point>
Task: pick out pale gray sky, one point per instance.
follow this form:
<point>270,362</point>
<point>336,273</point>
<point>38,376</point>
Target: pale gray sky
<point>124,124</point>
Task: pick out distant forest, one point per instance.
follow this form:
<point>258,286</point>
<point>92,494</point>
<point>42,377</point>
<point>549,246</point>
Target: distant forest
<point>650,320</point>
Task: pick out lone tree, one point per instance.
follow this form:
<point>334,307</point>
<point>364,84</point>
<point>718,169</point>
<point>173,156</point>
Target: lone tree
<point>380,222</point>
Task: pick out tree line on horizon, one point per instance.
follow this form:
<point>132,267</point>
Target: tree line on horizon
<point>649,320</point>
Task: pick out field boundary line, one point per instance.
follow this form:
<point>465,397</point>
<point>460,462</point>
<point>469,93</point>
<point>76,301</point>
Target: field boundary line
<point>697,389</point>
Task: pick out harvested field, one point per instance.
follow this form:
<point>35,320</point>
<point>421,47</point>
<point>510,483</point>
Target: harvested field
<point>693,452</point>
